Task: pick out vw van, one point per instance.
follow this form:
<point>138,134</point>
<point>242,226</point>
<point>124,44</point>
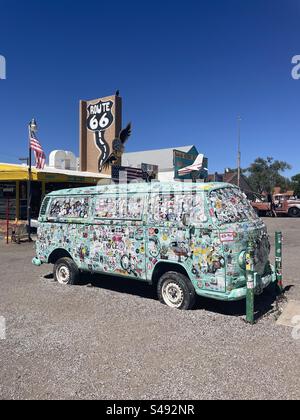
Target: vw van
<point>186,239</point>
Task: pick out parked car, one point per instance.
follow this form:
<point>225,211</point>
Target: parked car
<point>287,204</point>
<point>186,239</point>
<point>280,204</point>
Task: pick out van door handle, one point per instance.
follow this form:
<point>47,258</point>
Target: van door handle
<point>192,231</point>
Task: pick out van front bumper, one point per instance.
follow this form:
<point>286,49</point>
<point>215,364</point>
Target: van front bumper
<point>260,283</point>
<point>36,261</point>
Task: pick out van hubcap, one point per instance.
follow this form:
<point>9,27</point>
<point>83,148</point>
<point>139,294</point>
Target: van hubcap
<point>63,274</point>
<point>172,294</point>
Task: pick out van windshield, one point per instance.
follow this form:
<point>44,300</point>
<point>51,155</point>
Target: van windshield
<point>230,205</point>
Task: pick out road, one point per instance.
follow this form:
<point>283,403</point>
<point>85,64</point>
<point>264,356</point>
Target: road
<point>111,339</point>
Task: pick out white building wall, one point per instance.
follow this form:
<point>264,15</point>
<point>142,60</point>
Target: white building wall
<point>166,176</point>
<point>62,159</point>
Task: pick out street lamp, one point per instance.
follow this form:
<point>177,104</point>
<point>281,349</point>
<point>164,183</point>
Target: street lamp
<point>32,128</point>
<point>33,125</point>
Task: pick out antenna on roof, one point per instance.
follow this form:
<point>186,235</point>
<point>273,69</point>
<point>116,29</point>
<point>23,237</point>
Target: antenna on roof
<point>239,151</point>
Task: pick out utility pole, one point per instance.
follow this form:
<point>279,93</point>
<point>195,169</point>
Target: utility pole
<point>239,152</point>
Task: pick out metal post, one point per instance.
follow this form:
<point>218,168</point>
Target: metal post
<point>250,283</point>
<point>239,153</point>
<point>278,260</point>
<point>29,189</point>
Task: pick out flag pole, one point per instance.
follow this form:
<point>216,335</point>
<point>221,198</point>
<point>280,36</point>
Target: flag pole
<point>32,128</point>
<point>29,186</point>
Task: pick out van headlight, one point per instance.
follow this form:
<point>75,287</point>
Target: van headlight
<point>242,260</point>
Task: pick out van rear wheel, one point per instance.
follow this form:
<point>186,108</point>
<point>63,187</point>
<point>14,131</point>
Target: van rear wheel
<point>66,271</point>
<point>176,291</point>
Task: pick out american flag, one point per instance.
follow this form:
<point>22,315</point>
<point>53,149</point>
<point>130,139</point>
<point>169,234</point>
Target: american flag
<point>118,172</point>
<point>35,145</point>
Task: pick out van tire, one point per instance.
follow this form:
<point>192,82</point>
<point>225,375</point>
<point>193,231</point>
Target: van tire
<point>176,291</point>
<point>65,271</point>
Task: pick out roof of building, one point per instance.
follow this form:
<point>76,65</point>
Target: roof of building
<point>231,178</point>
<point>171,186</point>
<point>17,172</point>
<point>161,157</point>
<point>278,191</point>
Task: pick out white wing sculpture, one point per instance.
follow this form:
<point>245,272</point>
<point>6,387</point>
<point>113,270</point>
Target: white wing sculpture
<point>196,166</point>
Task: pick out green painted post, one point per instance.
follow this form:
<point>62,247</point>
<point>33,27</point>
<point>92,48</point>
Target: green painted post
<point>250,283</point>
<point>278,260</point>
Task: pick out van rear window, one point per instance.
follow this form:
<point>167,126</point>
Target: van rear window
<point>69,207</point>
<point>230,205</point>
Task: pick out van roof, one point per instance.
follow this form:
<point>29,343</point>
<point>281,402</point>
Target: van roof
<point>142,187</point>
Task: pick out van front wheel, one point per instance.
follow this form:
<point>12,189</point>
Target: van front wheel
<point>66,271</point>
<point>176,291</point>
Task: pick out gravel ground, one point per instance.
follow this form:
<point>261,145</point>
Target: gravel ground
<point>116,341</point>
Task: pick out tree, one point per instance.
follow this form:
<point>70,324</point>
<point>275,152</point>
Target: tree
<point>296,184</point>
<point>265,174</point>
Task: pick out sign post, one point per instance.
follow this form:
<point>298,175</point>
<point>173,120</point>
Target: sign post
<point>250,283</point>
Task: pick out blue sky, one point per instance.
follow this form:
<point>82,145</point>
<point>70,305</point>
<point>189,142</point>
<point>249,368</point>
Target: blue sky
<point>185,71</point>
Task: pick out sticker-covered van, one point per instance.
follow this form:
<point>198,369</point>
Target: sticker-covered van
<point>186,239</point>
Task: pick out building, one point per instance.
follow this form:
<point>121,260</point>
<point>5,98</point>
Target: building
<point>231,177</point>
<point>168,161</point>
<point>100,126</point>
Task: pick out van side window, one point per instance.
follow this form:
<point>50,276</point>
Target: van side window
<point>127,207</point>
<point>106,207</point>
<point>174,207</point>
<point>230,205</point>
<point>69,207</point>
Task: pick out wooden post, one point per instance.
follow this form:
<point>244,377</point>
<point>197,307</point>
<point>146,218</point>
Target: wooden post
<point>17,200</point>
<point>7,221</point>
<point>43,189</point>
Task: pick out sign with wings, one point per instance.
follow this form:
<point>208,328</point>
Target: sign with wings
<point>102,139</point>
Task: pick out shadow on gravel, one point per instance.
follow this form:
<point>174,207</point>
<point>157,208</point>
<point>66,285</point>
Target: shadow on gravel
<point>265,304</point>
<point>119,284</point>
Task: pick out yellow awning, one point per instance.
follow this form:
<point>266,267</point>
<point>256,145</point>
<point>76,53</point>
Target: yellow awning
<point>16,172</point>
<point>10,172</point>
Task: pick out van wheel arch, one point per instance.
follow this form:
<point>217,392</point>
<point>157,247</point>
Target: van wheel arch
<point>163,267</point>
<point>58,254</point>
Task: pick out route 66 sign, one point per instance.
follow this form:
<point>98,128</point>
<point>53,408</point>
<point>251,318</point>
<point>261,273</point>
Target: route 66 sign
<point>100,125</point>
<point>100,116</point>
